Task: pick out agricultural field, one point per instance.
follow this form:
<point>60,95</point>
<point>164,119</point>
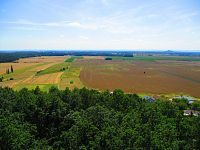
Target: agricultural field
<point>73,58</point>
<point>152,75</point>
<point>144,75</point>
<point>44,72</point>
<point>157,58</point>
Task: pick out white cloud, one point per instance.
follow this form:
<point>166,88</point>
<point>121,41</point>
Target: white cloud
<point>84,37</point>
<point>77,24</point>
<point>74,24</point>
<point>114,24</point>
<point>61,36</point>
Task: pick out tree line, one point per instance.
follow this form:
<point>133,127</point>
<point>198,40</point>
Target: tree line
<point>89,119</point>
<point>8,71</point>
<point>12,56</point>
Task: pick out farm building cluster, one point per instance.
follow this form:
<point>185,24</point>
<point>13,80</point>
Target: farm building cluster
<point>189,100</point>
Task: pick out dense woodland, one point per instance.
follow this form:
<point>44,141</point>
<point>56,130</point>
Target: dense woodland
<point>7,56</point>
<point>88,119</point>
<point>10,56</point>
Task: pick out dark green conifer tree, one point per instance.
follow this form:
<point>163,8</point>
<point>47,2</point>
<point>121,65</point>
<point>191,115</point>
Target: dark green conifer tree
<point>11,68</point>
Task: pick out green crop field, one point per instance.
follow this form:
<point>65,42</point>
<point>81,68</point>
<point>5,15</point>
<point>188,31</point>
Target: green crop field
<point>71,59</point>
<point>70,78</point>
<point>157,58</point>
<point>53,69</point>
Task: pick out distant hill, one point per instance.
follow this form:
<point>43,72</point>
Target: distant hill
<point>169,51</point>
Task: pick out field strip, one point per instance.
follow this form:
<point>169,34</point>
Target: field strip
<point>53,78</point>
<point>70,79</point>
<point>54,69</point>
<point>47,79</point>
<point>58,77</point>
<point>20,72</point>
<point>43,66</point>
<point>181,76</point>
<point>27,79</point>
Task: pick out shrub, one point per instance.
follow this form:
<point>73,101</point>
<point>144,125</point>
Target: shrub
<point>108,58</point>
<point>62,69</point>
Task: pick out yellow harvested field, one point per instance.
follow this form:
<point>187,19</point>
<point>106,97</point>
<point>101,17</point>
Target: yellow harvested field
<point>43,59</point>
<point>25,71</point>
<point>43,66</point>
<point>9,83</point>
<point>16,66</point>
<point>29,62</point>
<point>53,78</point>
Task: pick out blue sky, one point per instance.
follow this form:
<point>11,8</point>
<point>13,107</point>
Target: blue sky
<point>100,24</point>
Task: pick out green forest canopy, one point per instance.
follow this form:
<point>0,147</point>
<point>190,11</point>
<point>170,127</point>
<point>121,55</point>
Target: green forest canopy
<point>89,119</point>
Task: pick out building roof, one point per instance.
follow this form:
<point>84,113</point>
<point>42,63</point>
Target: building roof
<point>191,112</point>
<point>149,98</point>
<point>190,99</point>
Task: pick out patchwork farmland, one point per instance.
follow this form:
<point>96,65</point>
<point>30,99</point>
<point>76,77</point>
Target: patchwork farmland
<point>37,71</point>
<point>143,75</point>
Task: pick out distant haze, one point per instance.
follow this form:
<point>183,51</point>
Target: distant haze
<point>100,24</point>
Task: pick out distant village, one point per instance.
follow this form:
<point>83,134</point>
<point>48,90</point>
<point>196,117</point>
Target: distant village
<point>186,112</point>
<point>190,100</point>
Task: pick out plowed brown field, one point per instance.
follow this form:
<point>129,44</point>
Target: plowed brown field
<point>161,77</point>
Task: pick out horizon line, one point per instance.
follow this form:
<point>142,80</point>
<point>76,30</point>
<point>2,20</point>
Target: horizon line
<point>135,50</point>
